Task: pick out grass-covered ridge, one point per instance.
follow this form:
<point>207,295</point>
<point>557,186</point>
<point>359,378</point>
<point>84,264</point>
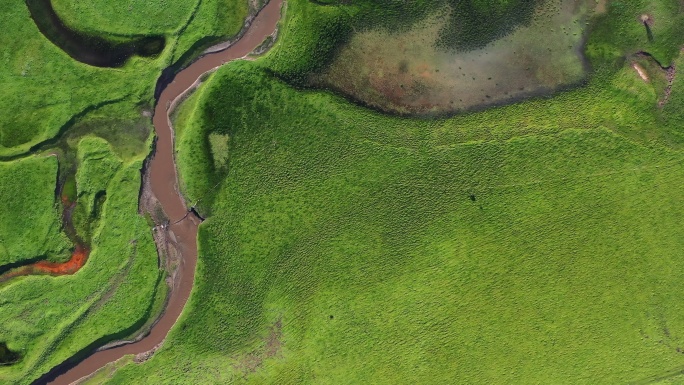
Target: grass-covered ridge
<point>533,243</point>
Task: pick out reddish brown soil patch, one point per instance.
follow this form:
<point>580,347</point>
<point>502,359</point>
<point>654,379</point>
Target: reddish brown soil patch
<point>77,260</point>
<point>252,361</point>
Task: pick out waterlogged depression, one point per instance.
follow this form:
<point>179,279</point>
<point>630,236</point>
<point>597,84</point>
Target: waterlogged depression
<point>408,72</point>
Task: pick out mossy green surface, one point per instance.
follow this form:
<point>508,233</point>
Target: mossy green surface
<point>30,220</point>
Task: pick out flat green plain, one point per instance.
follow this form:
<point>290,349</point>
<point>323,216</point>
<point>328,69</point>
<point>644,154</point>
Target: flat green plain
<point>533,243</point>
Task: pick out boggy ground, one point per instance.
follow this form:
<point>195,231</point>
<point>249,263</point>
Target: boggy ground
<point>410,72</point>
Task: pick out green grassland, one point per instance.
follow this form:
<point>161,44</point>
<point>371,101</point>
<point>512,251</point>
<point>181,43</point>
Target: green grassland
<point>534,243</point>
<point>97,165</point>
<point>189,22</point>
<point>45,91</point>
<point>49,319</point>
<point>30,224</point>
<point>124,18</point>
<point>43,88</point>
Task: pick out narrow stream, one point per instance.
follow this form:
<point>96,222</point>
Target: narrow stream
<point>163,181</point>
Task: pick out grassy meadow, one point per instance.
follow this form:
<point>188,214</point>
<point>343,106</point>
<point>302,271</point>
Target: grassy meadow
<point>30,225</point>
<point>49,319</point>
<point>45,92</point>
<point>193,24</point>
<point>538,242</point>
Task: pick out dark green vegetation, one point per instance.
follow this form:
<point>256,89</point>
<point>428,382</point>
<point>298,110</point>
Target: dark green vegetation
<point>7,356</point>
<point>30,225</point>
<point>475,23</point>
<point>96,123</point>
<point>534,243</point>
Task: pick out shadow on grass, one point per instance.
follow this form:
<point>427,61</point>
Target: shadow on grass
<point>92,50</point>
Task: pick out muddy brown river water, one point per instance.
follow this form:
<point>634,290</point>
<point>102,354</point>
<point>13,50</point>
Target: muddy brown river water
<point>163,181</point>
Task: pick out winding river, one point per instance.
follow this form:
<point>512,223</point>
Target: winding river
<point>163,183</point>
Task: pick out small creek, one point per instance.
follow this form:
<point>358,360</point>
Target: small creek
<point>163,184</point>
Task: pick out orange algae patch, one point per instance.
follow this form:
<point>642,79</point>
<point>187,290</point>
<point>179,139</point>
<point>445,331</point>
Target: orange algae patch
<point>78,259</point>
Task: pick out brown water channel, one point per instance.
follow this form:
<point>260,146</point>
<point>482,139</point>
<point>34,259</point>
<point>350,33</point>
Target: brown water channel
<point>163,182</point>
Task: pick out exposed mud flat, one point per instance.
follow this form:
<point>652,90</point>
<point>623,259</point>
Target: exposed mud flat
<point>408,73</point>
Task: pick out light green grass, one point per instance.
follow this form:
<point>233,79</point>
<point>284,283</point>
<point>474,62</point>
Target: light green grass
<point>30,221</point>
<point>125,18</point>
<point>192,25</point>
<point>97,164</point>
<point>43,88</point>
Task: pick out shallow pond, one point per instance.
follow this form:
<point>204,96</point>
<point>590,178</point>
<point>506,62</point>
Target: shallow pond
<point>411,73</point>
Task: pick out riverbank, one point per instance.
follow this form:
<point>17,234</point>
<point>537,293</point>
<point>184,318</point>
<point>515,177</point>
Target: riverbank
<point>177,236</point>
